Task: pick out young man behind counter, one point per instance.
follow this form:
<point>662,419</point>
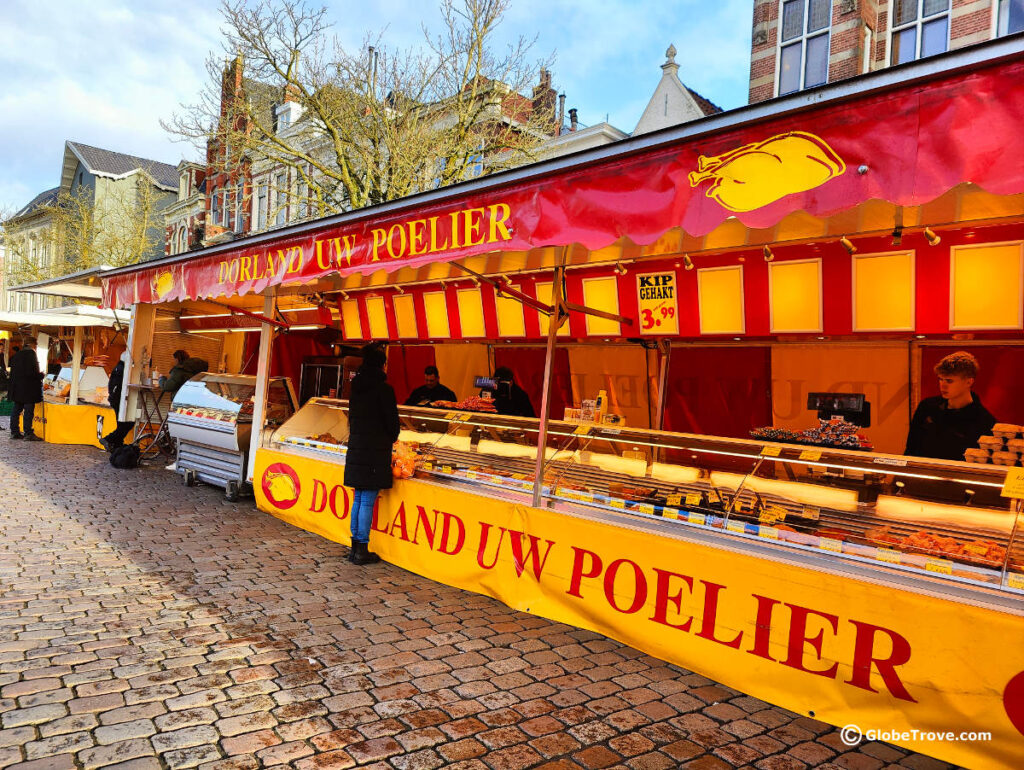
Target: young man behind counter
<point>946,425</point>
<point>431,390</point>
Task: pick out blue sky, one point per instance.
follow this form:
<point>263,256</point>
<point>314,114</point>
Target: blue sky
<point>106,72</point>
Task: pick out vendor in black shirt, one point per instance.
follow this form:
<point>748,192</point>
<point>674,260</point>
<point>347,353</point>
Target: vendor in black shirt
<point>509,398</point>
<point>431,390</point>
<point>945,425</point>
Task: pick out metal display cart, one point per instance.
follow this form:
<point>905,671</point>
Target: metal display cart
<point>211,421</point>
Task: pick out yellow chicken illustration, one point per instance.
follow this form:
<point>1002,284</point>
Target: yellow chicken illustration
<point>162,284</point>
<point>755,175</point>
<point>280,487</point>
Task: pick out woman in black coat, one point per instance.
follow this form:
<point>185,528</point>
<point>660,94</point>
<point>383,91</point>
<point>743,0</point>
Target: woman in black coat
<point>373,429</point>
<point>25,389</point>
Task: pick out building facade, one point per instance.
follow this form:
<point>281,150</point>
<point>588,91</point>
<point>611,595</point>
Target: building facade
<point>800,44</point>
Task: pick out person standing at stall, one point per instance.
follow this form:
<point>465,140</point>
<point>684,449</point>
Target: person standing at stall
<point>115,383</point>
<point>509,398</point>
<point>3,364</point>
<point>946,425</point>
<point>431,390</point>
<point>373,429</point>
<point>185,368</point>
<point>25,389</point>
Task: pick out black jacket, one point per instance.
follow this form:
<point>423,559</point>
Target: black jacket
<point>26,381</point>
<point>373,429</point>
<point>114,385</point>
<point>512,400</point>
<point>184,372</point>
<point>943,433</point>
<point>423,394</point>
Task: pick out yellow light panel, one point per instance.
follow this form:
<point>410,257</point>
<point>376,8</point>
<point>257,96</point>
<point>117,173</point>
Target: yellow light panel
<point>471,313</point>
<point>378,318</point>
<point>511,322</point>
<point>986,286</point>
<point>720,291</point>
<point>602,294</point>
<point>544,291</point>
<point>437,315</point>
<point>795,295</point>
<point>883,292</point>
<point>351,326</point>
<point>405,315</point>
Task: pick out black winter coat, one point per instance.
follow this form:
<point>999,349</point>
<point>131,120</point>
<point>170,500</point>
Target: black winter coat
<point>373,429</point>
<point>26,381</point>
<point>943,433</point>
<point>114,385</point>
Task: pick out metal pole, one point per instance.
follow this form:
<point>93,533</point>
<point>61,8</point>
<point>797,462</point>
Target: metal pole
<point>259,410</point>
<point>76,364</point>
<point>665,357</point>
<point>549,361</point>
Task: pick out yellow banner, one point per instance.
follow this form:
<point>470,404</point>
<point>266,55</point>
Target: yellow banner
<point>66,424</point>
<point>846,651</point>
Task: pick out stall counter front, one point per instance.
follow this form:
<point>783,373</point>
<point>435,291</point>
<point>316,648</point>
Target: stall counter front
<point>883,636</point>
<point>73,423</point>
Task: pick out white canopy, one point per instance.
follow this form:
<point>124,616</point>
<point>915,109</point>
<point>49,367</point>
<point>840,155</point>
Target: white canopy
<point>72,315</point>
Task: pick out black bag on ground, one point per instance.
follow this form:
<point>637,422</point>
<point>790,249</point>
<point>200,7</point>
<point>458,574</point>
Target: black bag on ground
<point>126,456</point>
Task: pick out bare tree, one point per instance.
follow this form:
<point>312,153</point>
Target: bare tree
<point>362,127</point>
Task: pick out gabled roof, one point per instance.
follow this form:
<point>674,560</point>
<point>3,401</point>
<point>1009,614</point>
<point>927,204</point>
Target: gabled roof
<point>43,199</point>
<point>115,165</point>
<point>707,106</point>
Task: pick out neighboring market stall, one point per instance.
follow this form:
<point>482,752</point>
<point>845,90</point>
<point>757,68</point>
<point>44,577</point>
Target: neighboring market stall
<point>75,409</point>
<point>768,272</point>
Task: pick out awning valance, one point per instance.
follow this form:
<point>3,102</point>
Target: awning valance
<point>906,144</point>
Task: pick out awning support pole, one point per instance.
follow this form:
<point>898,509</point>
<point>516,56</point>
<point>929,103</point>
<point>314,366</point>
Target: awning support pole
<point>263,319</point>
<point>76,364</point>
<point>259,407</point>
<point>554,322</point>
<point>505,289</point>
<point>665,357</point>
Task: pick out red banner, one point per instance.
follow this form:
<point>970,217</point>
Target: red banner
<point>907,146</point>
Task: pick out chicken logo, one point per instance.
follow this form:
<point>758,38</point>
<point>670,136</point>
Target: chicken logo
<point>755,175</point>
<point>281,485</point>
<point>162,283</point>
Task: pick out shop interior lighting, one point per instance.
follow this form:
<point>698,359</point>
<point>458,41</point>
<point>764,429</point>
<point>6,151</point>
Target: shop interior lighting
<point>620,268</point>
<point>687,262</point>
<point>848,245</point>
<point>399,290</point>
<point>932,237</point>
<point>344,295</point>
<point>768,254</point>
<point>897,235</point>
<point>307,327</point>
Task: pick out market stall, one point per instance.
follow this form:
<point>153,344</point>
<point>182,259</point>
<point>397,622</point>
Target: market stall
<point>853,584</point>
<point>75,408</point>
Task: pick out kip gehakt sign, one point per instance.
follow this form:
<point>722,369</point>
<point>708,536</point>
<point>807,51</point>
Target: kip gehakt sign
<point>907,146</point>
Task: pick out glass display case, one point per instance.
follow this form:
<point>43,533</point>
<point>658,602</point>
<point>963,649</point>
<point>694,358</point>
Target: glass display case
<point>946,520</point>
<point>211,418</point>
<point>92,385</point>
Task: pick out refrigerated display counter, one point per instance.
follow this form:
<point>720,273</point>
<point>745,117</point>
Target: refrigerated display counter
<point>211,420</point>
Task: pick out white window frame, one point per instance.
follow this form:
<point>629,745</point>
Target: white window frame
<point>281,212</point>
<point>918,23</point>
<point>801,40</point>
<point>260,204</point>
<point>1001,20</point>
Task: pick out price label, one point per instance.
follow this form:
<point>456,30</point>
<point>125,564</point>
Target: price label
<point>941,566</point>
<point>811,455</point>
<point>520,476</point>
<point>646,508</point>
<point>463,416</point>
<point>694,498</point>
<point>616,503</point>
<point>713,496</point>
<point>449,415</point>
<point>671,513</point>
<point>767,517</point>
<point>976,548</point>
<point>769,532</point>
<point>583,430</point>
<point>446,469</point>
<point>674,500</point>
<point>735,526</point>
<point>1015,580</point>
<point>427,466</point>
<point>830,544</point>
<point>1014,484</point>
<point>771,451</point>
<point>887,554</point>
<point>696,517</point>
<point>812,512</point>
<point>473,475</point>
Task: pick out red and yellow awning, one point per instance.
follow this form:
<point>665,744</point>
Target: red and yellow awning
<point>906,144</point>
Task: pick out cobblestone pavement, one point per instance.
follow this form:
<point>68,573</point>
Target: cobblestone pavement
<point>144,624</point>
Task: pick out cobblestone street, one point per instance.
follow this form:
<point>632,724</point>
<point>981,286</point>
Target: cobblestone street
<point>144,624</point>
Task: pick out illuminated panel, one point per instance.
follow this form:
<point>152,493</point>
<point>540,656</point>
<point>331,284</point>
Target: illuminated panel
<point>544,297</point>
<point>378,318</point>
<point>986,286</point>
<point>511,322</point>
<point>350,323</point>
<point>795,295</point>
<point>405,315</point>
<point>720,290</point>
<point>471,313</point>
<point>437,315</point>
<point>883,292</point>
<point>602,294</point>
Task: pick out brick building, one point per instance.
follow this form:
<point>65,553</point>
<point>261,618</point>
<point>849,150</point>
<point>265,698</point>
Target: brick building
<point>798,44</point>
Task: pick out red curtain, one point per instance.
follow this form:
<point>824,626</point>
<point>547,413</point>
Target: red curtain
<point>998,383</point>
<point>289,351</point>
<point>528,366</point>
<point>405,367</point>
<point>719,391</point>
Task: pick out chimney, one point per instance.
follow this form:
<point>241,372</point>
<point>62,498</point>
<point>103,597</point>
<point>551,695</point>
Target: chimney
<point>572,119</point>
<point>561,114</point>
<point>544,99</point>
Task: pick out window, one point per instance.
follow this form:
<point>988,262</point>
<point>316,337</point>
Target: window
<point>182,240</point>
<point>804,41</point>
<point>1011,16</point>
<point>239,199</point>
<point>261,207</point>
<point>228,205</point>
<point>919,28</point>
<point>302,193</point>
<point>215,206</point>
<point>281,186</point>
